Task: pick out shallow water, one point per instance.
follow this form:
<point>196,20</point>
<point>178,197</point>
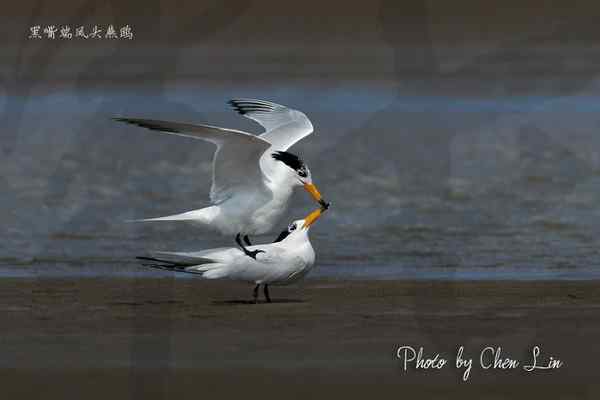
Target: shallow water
<point>431,186</point>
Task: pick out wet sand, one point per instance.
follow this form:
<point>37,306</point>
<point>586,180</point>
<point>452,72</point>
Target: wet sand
<point>174,338</point>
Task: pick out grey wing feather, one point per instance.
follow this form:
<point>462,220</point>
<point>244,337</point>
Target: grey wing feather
<point>284,126</point>
<point>192,258</point>
<point>237,159</point>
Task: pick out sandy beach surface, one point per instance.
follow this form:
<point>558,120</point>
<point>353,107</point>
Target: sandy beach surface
<point>183,338</point>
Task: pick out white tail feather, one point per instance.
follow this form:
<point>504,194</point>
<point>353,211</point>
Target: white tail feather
<point>202,215</point>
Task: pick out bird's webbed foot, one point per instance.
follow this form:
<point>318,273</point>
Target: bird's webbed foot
<point>249,253</point>
<point>252,253</point>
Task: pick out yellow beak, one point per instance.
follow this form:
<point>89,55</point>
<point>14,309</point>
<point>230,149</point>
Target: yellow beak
<point>312,217</point>
<point>314,192</point>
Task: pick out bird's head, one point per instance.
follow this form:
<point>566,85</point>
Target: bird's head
<point>302,175</point>
<point>301,226</point>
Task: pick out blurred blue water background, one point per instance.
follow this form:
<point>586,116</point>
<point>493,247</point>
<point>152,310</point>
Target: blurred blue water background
<point>430,186</point>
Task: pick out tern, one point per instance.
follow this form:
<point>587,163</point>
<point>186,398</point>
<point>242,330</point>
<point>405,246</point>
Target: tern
<point>253,176</point>
<point>285,261</point>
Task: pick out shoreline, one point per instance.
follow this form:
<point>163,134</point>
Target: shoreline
<point>351,273</point>
<point>169,337</point>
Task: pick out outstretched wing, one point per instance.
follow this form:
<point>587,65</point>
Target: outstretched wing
<point>236,160</point>
<point>284,126</point>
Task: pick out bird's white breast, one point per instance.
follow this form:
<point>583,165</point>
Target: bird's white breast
<point>257,212</point>
<point>299,261</point>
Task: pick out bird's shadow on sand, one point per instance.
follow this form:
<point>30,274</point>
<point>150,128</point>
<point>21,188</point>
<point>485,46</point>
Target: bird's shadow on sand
<point>251,302</point>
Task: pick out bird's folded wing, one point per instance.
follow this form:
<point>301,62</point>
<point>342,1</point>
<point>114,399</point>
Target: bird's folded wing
<point>236,161</point>
<point>184,258</point>
<point>284,126</point>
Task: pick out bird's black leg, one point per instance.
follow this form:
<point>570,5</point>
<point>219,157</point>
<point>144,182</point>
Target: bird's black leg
<point>247,240</point>
<point>266,289</point>
<point>255,294</point>
<point>249,253</point>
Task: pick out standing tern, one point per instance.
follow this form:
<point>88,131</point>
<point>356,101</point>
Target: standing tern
<point>285,261</point>
<point>253,176</point>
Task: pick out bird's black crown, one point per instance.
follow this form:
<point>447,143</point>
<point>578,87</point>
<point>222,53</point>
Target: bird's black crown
<point>289,159</point>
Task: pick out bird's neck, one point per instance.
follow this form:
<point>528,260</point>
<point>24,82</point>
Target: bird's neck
<point>282,180</point>
<point>298,239</point>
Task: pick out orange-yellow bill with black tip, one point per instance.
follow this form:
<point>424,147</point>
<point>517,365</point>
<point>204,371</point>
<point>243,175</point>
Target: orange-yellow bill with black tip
<point>312,217</point>
<point>314,192</point>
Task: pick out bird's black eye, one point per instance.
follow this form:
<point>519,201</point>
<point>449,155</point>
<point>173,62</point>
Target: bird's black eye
<point>292,227</point>
<point>302,172</point>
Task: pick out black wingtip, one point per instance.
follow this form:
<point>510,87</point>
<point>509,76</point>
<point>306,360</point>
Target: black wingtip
<point>125,120</point>
<point>246,106</point>
<point>163,264</point>
<point>155,125</point>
